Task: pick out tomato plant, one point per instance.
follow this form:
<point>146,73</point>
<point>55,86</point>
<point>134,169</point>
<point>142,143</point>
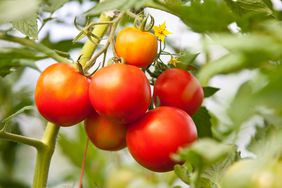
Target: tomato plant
<point>136,47</point>
<point>178,88</point>
<point>179,49</point>
<point>160,133</point>
<point>120,92</point>
<point>105,134</point>
<point>61,95</point>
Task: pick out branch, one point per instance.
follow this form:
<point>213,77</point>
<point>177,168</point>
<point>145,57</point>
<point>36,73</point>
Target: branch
<point>90,63</point>
<point>39,47</point>
<point>90,45</point>
<point>21,139</point>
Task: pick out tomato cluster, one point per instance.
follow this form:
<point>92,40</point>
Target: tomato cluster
<point>115,103</point>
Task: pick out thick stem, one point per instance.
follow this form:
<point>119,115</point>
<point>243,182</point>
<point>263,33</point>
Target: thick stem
<point>39,47</point>
<point>44,155</point>
<point>90,45</point>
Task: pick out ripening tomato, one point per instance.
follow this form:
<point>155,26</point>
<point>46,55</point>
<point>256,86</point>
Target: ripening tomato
<point>104,133</point>
<point>179,88</point>
<point>61,95</point>
<point>120,92</point>
<point>136,47</point>
<point>155,137</point>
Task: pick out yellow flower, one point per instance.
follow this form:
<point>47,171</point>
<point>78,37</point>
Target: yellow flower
<point>173,61</point>
<point>161,32</point>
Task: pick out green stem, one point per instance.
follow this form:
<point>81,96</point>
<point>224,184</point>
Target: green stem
<point>20,139</point>
<point>90,45</point>
<point>44,155</point>
<point>39,47</point>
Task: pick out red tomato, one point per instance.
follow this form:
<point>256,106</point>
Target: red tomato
<point>105,134</point>
<point>61,95</point>
<point>160,133</point>
<point>120,92</point>
<point>179,88</point>
<point>136,47</point>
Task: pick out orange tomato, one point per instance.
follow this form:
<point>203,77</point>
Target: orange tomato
<point>136,47</point>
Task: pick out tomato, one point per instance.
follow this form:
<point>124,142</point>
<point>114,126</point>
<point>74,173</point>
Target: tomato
<point>120,92</point>
<point>105,134</point>
<point>136,47</point>
<point>178,88</point>
<point>161,132</point>
<point>61,95</point>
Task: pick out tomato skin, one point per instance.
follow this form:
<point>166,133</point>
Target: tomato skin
<point>61,95</point>
<point>105,134</point>
<point>179,88</point>
<point>161,132</point>
<point>120,92</point>
<point>137,48</point>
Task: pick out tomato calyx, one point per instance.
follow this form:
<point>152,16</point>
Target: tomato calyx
<point>141,22</point>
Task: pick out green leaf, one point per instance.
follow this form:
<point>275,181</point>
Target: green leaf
<point>209,91</point>
<point>15,9</point>
<point>205,163</point>
<point>115,4</point>
<point>53,5</point>
<point>260,95</point>
<point>15,58</point>
<point>27,26</point>
<point>202,16</point>
<point>204,152</point>
<point>250,7</point>
<point>267,142</point>
<point>203,124</point>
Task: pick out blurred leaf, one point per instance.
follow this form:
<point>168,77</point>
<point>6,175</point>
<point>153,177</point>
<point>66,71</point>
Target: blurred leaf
<point>11,10</point>
<point>14,58</point>
<point>250,12</point>
<point>215,172</point>
<point>187,61</point>
<point>27,26</point>
<point>204,152</point>
<point>53,5</point>
<point>261,95</point>
<point>12,183</point>
<point>267,142</point>
<point>250,7</point>
<point>9,151</point>
<point>62,45</point>
<point>115,4</point>
<point>206,160</point>
<point>210,91</point>
<point>202,16</point>
<point>203,124</point>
